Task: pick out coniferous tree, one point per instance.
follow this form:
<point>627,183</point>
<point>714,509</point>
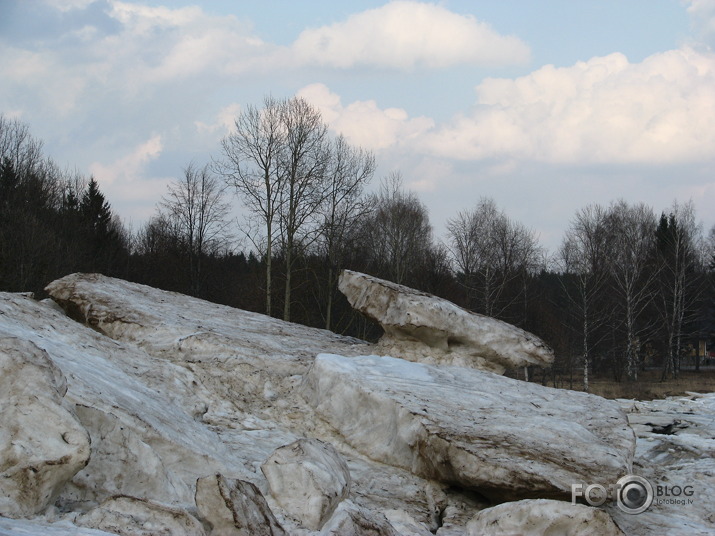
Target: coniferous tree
<point>105,241</point>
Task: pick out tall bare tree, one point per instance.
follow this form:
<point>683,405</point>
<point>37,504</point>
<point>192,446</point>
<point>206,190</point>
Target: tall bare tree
<point>349,171</point>
<point>305,155</point>
<point>251,164</point>
<point>679,243</point>
<point>197,207</point>
<point>584,255</point>
<point>632,235</point>
<point>30,192</point>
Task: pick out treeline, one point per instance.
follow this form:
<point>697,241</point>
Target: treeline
<point>628,289</point>
<point>51,222</point>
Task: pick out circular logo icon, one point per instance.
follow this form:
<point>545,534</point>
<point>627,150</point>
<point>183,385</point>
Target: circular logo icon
<point>635,494</point>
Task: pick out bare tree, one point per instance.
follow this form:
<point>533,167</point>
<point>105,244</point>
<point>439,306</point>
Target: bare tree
<point>349,171</point>
<point>196,206</point>
<point>397,231</point>
<point>584,255</point>
<point>493,254</point>
<point>157,236</point>
<point>678,246</point>
<point>276,159</point>
<point>251,164</point>
<point>304,160</point>
<point>632,236</point>
<point>18,148</point>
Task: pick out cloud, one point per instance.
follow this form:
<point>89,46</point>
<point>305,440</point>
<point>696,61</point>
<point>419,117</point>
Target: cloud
<point>28,82</point>
<point>702,16</point>
<point>132,54</point>
<point>429,174</point>
<point>128,52</point>
<point>605,110</point>
<point>21,65</point>
<point>128,168</point>
<point>223,122</point>
<point>158,44</point>
<point>602,111</point>
<point>127,184</point>
<point>405,34</point>
<point>363,123</point>
<point>68,5</point>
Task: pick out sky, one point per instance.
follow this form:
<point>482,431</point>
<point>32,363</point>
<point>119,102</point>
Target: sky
<point>545,107</point>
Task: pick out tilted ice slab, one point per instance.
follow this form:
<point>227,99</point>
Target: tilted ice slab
<point>422,327</point>
<point>503,437</point>
<point>249,359</point>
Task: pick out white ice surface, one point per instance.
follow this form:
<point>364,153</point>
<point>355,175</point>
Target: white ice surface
<point>208,388</point>
<point>470,427</point>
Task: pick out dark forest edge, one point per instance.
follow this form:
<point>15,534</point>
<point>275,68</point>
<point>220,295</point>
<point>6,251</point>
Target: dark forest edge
<point>628,296</point>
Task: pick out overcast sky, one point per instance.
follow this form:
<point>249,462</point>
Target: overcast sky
<point>543,106</point>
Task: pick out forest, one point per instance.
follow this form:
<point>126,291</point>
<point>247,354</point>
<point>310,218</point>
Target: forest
<point>629,290</point>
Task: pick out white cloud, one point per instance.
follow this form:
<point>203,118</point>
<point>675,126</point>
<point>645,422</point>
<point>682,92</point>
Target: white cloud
<point>33,80</point>
<point>159,44</point>
<point>223,122</point>
<point>702,16</point>
<point>605,110</point>
<point>125,182</point>
<point>128,168</point>
<point>405,34</point>
<point>138,52</point>
<point>363,123</point>
<point>145,19</point>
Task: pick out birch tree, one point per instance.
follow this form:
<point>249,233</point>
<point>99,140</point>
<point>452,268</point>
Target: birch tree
<point>678,241</point>
<point>584,255</point>
<point>631,231</point>
<point>251,165</point>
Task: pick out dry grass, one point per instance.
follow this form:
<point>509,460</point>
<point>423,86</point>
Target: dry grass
<point>648,386</point>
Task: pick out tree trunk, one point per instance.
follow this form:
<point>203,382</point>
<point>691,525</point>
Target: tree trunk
<point>269,255</point>
<point>289,273</point>
<point>329,311</point>
<point>631,357</point>
<point>585,340</point>
<point>669,364</point>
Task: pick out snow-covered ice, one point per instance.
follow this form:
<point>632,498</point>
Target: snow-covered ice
<point>172,391</point>
<point>422,327</point>
<point>476,429</point>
